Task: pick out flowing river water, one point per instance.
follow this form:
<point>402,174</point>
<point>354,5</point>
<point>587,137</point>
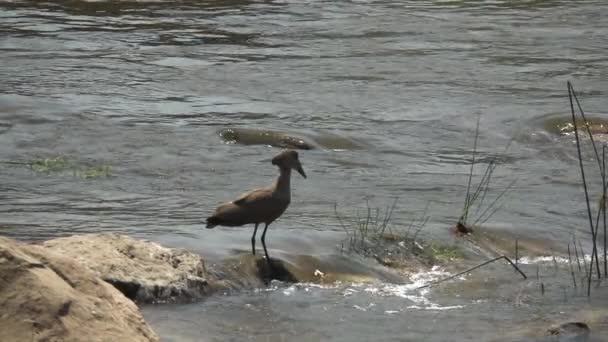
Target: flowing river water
<point>133,96</point>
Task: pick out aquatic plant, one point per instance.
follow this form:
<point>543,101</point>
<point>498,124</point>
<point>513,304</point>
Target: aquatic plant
<point>58,164</point>
<point>572,97</point>
<point>94,172</point>
<point>363,232</point>
<point>442,252</point>
<point>373,235</point>
<point>477,197</point>
<point>48,165</point>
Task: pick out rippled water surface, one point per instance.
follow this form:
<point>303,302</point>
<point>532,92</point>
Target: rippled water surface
<point>145,88</point>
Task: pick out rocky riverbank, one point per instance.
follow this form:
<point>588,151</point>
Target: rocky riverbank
<point>46,296</point>
<point>84,287</point>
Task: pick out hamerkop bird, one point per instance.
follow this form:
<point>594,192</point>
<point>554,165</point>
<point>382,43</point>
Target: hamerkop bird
<point>262,205</point>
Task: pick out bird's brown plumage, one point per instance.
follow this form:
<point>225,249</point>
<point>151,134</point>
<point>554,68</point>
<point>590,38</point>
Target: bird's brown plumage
<point>262,205</point>
<point>256,206</point>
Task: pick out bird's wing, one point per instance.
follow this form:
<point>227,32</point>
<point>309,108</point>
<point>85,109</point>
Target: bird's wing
<point>252,196</point>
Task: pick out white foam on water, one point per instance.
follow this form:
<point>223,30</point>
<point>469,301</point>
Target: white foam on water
<point>411,291</point>
<point>549,259</point>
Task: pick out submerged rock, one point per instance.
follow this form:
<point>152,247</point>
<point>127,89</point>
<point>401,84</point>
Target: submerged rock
<point>144,271</point>
<point>491,243</point>
<point>264,137</point>
<point>571,330</point>
<point>148,272</point>
<point>563,125</point>
<point>284,139</point>
<point>45,296</point>
<point>249,271</point>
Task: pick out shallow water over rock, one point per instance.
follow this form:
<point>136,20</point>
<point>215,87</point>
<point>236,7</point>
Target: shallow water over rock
<point>283,139</point>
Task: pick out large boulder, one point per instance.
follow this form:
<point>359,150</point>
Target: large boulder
<point>48,297</point>
<point>144,271</point>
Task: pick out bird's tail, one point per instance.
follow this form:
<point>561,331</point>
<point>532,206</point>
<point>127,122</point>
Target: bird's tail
<point>212,222</point>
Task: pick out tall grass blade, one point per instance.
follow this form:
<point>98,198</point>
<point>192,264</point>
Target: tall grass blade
<point>580,161</point>
<point>578,260</point>
<point>467,202</point>
<point>603,204</point>
<point>571,267</point>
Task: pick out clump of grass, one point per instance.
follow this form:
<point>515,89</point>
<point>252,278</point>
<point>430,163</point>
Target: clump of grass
<point>373,235</point>
<point>476,197</point>
<point>445,253</point>
<point>59,164</point>
<point>365,232</point>
<point>48,165</point>
<point>601,210</point>
<point>94,172</point>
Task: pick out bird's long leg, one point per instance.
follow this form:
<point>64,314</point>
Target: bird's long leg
<point>255,230</point>
<point>264,243</point>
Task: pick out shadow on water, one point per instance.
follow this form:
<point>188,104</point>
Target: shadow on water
<point>114,8</point>
<point>274,270</point>
<point>138,16</point>
<point>503,4</point>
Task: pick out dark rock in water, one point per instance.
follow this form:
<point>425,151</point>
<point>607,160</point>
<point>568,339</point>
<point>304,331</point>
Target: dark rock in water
<point>143,271</point>
<point>463,229</point>
<point>570,331</point>
<point>249,271</point>
<point>274,270</point>
<point>319,140</point>
<point>264,137</point>
<point>45,296</point>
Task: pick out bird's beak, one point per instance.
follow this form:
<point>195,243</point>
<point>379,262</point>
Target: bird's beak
<point>301,171</point>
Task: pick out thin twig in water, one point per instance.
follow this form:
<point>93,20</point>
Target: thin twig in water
<point>467,202</point>
<point>414,220</point>
<point>339,218</point>
<point>578,260</point>
<point>419,229</point>
<point>584,260</point>
<point>570,265</point>
<point>502,193</point>
<point>582,112</point>
<point>580,160</point>
<point>516,251</point>
<point>597,225</point>
<point>604,205</point>
<point>554,265</point>
<point>389,215</point>
<point>484,186</point>
<point>472,269</point>
<point>407,234</point>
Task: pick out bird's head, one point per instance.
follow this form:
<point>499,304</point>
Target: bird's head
<point>288,159</point>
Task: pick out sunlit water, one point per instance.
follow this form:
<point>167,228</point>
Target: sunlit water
<point>145,88</point>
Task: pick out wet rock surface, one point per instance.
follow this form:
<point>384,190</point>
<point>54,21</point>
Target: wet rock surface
<point>150,273</point>
<point>563,125</point>
<point>571,330</point>
<point>285,139</point>
<point>265,137</point>
<point>249,271</point>
<point>144,271</point>
<point>45,296</point>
